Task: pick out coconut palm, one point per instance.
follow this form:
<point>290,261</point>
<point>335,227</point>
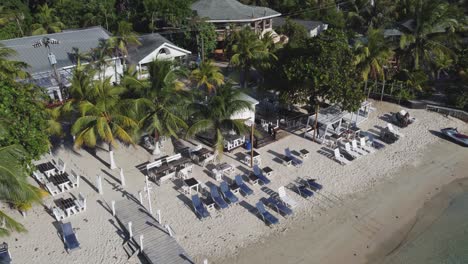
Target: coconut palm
<point>124,37</point>
<point>372,57</point>
<point>430,33</point>
<point>208,76</point>
<point>103,118</point>
<point>161,101</point>
<point>47,21</point>
<point>101,57</point>
<point>215,114</point>
<point>7,15</point>
<point>14,186</point>
<point>249,51</point>
<point>10,69</point>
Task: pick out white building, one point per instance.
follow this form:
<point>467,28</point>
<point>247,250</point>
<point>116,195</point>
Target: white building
<point>85,40</point>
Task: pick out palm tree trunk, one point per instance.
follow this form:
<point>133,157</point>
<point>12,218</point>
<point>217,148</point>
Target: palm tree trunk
<point>365,88</point>
<point>156,150</point>
<point>19,26</point>
<point>383,88</point>
<point>111,158</point>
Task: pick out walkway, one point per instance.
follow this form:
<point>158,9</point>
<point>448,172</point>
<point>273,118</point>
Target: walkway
<point>158,246</point>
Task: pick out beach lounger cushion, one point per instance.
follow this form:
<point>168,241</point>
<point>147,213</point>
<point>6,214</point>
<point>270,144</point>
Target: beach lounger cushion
<point>227,193</point>
<point>199,207</point>
<point>217,197</point>
<point>280,208</point>
<point>267,216</point>
<point>69,237</point>
<point>240,183</point>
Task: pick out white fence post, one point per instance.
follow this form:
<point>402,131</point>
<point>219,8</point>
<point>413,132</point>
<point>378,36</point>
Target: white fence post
<point>159,216</point>
<point>99,184</point>
<point>141,243</point>
<point>205,261</point>
<point>122,177</point>
<point>140,195</point>
<point>130,229</point>
<point>113,208</point>
<point>149,196</point>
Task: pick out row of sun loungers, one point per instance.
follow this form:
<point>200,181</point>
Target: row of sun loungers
<point>352,150</point>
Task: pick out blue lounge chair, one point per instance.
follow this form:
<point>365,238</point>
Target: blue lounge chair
<point>240,182</point>
<point>260,176</point>
<point>303,191</point>
<point>231,197</point>
<point>5,257</point>
<point>314,185</point>
<point>217,197</point>
<point>199,207</point>
<point>280,207</point>
<point>69,237</point>
<point>266,216</point>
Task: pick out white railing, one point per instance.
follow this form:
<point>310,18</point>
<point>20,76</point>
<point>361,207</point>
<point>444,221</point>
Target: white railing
<point>460,114</point>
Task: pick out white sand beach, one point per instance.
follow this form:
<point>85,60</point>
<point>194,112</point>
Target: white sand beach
<point>335,225</point>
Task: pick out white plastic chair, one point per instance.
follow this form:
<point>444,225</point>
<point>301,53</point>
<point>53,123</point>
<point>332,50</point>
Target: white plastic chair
<point>286,198</point>
<point>340,158</point>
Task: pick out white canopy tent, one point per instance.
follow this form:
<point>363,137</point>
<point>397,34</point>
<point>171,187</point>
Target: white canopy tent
<point>329,121</point>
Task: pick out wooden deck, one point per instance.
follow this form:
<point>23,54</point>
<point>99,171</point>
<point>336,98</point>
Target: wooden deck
<point>158,246</point>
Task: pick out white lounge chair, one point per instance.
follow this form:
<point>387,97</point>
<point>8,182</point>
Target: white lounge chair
<point>208,160</point>
<point>58,213</point>
<point>54,190</point>
<point>286,198</point>
<point>364,146</point>
<point>394,130</point>
<point>61,166</point>
<point>340,158</point>
<point>74,179</point>
<point>355,147</point>
<point>348,150</point>
<point>39,176</point>
<point>81,203</point>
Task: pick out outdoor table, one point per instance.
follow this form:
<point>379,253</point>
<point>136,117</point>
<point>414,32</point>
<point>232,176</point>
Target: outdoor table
<point>234,188</point>
<point>182,162</point>
<point>304,153</point>
<point>256,157</point>
<point>68,205</point>
<point>268,171</point>
<point>210,204</point>
<point>192,183</point>
<point>287,160</point>
<point>253,178</point>
<point>225,168</point>
<point>60,180</point>
<point>47,168</point>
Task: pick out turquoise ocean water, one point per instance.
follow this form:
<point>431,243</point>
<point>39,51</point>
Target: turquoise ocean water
<point>444,242</point>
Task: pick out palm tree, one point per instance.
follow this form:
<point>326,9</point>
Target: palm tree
<point>125,37</point>
<point>430,34</point>
<point>14,186</point>
<point>10,69</point>
<point>101,56</point>
<point>7,15</point>
<point>249,51</point>
<point>161,101</point>
<point>103,118</point>
<point>208,75</point>
<point>47,21</point>
<point>371,58</point>
<point>215,114</point>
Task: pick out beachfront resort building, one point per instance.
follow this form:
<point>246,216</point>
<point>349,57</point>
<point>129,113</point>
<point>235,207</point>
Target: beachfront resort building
<point>313,27</point>
<point>51,58</point>
<point>228,15</point>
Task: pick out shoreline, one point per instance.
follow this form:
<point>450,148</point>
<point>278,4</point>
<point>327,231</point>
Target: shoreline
<point>384,216</point>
